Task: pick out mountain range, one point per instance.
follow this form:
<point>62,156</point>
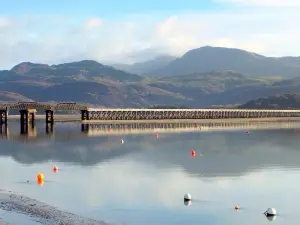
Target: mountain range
<point>144,68</point>
<point>204,77</point>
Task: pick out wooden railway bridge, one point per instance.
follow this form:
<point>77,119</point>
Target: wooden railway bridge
<point>28,111</point>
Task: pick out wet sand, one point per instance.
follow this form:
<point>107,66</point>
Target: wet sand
<point>42,213</point>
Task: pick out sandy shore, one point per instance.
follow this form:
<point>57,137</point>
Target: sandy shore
<point>44,214</point>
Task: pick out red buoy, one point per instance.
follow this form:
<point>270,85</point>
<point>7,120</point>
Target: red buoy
<point>156,135</point>
<point>55,169</point>
<point>193,153</point>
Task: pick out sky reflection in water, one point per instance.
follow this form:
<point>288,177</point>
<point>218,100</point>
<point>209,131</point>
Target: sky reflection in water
<point>143,180</point>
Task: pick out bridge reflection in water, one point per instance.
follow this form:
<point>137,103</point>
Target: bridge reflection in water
<point>106,129</point>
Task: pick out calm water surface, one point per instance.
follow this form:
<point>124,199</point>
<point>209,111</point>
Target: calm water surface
<point>142,182</point>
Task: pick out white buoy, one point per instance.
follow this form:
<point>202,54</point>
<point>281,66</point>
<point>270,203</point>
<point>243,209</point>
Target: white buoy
<point>187,197</point>
<point>122,141</point>
<point>270,212</point>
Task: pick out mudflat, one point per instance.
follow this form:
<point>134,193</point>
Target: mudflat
<point>44,214</point>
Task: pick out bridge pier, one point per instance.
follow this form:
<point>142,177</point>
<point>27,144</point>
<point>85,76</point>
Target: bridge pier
<point>85,115</point>
<point>49,116</point>
<point>27,116</point>
<point>3,117</point>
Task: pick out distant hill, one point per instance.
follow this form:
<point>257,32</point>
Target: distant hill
<point>142,68</point>
<point>90,82</point>
<point>208,59</point>
<point>12,97</point>
<point>285,101</point>
<point>77,70</point>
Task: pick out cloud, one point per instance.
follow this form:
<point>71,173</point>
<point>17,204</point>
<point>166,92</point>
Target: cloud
<point>93,23</point>
<point>272,32</point>
<point>269,3</point>
<point>5,22</point>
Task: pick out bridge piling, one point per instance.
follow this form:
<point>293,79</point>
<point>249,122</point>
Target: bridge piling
<point>3,115</point>
<point>24,117</point>
<point>85,115</point>
<point>49,116</point>
<point>27,116</point>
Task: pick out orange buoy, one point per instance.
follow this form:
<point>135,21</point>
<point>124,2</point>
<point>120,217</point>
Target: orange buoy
<point>55,169</point>
<point>236,207</point>
<point>193,153</point>
<point>40,177</point>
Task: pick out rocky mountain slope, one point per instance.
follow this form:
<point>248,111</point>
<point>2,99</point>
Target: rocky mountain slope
<point>142,68</point>
<point>207,59</point>
<point>91,82</point>
<point>284,101</point>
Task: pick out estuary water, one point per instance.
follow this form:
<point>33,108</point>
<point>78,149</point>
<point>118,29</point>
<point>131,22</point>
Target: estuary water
<point>142,179</point>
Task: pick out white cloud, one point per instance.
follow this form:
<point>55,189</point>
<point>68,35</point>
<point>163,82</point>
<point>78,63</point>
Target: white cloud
<point>271,32</point>
<point>5,22</point>
<point>272,3</point>
<point>93,23</point>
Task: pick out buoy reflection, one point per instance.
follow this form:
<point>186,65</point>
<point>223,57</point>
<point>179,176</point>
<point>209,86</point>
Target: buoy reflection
<point>40,182</point>
<point>271,218</point>
<point>187,202</point>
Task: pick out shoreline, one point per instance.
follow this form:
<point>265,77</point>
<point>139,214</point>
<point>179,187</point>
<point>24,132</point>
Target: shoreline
<point>42,213</point>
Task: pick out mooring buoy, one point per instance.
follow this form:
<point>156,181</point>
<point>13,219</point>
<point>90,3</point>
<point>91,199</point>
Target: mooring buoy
<point>187,197</point>
<point>270,212</point>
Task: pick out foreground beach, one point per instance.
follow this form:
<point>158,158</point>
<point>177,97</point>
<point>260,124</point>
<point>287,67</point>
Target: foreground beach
<point>42,213</point>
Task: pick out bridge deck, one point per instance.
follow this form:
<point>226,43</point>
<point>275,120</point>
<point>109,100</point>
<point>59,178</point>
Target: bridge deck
<point>89,114</point>
<point>187,110</point>
<point>43,106</point>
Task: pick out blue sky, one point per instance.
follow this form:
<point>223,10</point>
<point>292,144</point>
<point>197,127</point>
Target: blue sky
<point>115,31</point>
<point>103,8</point>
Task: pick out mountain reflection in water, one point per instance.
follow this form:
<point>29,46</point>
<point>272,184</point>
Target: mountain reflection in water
<point>230,153</point>
<point>143,180</point>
